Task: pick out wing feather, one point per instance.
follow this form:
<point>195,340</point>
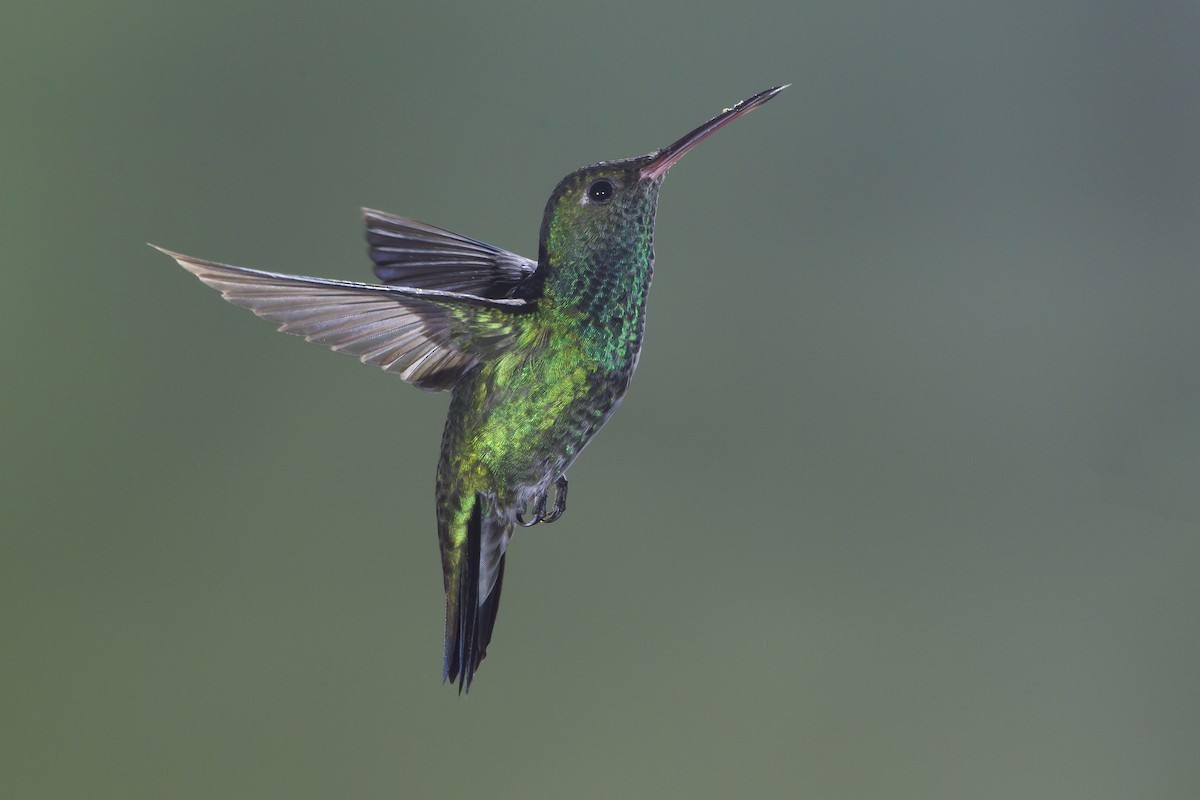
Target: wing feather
<point>428,337</point>
<point>411,253</point>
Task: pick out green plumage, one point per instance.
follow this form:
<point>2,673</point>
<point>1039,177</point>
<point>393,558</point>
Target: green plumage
<point>538,354</point>
<point>518,422</point>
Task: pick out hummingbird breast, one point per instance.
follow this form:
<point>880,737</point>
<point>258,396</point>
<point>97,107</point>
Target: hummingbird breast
<point>517,423</point>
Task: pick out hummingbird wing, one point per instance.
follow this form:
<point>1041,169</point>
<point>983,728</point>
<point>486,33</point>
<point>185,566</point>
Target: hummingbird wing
<point>429,338</point>
<point>411,253</point>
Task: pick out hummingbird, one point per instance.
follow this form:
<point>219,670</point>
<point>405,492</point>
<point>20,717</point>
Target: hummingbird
<point>537,354</point>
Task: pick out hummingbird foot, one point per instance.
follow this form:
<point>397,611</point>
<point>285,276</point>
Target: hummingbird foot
<point>560,500</point>
<point>539,509</point>
<point>539,506</point>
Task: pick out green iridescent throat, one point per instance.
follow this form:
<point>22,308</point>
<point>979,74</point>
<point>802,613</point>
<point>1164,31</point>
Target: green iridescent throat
<point>598,263</point>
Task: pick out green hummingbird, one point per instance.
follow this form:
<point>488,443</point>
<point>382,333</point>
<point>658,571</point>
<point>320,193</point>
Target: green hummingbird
<point>537,354</point>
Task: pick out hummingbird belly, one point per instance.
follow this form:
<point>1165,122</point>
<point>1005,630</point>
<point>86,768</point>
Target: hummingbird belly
<point>514,428</point>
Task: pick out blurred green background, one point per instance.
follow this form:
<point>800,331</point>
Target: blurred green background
<point>904,501</point>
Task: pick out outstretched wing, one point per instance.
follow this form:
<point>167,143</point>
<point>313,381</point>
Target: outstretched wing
<point>411,253</point>
<point>429,338</point>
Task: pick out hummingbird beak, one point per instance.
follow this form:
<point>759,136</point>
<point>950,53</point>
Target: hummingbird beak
<point>663,159</point>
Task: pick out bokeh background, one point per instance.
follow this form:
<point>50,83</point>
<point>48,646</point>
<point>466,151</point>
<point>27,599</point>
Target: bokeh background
<point>903,502</point>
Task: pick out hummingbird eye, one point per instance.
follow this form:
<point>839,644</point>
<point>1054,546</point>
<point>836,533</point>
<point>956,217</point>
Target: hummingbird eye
<point>601,191</point>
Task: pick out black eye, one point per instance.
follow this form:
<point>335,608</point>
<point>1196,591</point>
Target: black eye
<point>601,191</point>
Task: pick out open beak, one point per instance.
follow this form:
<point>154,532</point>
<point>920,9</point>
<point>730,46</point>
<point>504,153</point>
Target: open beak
<point>663,159</point>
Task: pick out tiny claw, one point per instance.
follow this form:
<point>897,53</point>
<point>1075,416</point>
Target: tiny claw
<point>539,506</point>
<point>521,519</point>
<point>560,500</point>
<point>539,512</point>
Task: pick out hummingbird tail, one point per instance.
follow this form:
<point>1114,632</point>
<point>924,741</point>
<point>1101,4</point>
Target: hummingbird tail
<point>470,620</point>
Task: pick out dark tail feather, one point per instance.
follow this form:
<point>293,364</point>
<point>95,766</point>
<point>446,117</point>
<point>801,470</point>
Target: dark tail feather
<point>469,622</point>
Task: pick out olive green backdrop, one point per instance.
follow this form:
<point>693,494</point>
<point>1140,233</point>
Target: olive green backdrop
<point>904,501</point>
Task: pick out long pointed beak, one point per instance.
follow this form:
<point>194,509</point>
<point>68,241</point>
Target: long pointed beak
<point>663,159</point>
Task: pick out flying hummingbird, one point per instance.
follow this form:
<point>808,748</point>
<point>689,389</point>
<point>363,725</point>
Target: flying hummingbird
<point>537,354</point>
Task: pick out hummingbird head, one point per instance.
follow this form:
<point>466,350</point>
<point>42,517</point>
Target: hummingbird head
<point>599,221</point>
